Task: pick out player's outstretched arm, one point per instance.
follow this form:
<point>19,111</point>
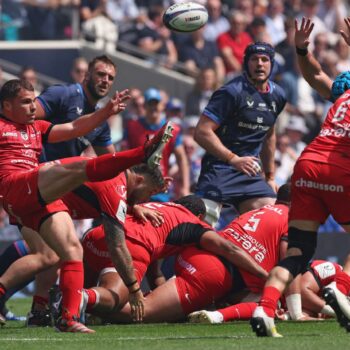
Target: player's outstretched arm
<point>215,244</point>
<point>309,67</point>
<point>88,122</point>
<point>122,260</point>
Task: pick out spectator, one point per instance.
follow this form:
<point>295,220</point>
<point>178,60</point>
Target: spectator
<point>275,21</point>
<point>28,73</point>
<point>217,23</point>
<point>257,30</point>
<point>174,111</point>
<point>233,43</point>
<point>198,53</point>
<point>122,12</point>
<point>332,13</point>
<point>342,49</point>
<point>136,105</point>
<point>149,124</point>
<point>246,7</point>
<point>155,38</point>
<point>79,69</point>
<point>295,130</point>
<point>96,25</point>
<point>198,98</point>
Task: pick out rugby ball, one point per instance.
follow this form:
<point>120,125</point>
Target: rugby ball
<point>185,17</point>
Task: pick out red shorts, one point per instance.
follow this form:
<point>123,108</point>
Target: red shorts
<point>318,190</point>
<point>201,279</point>
<point>97,257</point>
<point>21,199</point>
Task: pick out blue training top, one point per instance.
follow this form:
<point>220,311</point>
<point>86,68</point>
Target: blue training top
<point>244,114</point>
<point>63,104</point>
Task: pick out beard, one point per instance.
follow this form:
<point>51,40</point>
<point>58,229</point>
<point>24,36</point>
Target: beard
<point>92,90</point>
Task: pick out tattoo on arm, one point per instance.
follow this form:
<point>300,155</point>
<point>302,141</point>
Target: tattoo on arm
<point>120,255</point>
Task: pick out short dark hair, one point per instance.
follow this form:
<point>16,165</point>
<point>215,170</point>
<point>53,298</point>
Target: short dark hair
<point>12,87</point>
<point>103,58</point>
<point>154,175</point>
<point>193,203</point>
<point>284,194</point>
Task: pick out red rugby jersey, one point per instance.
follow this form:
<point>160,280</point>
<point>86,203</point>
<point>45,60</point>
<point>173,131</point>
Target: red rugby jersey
<point>259,233</point>
<point>21,144</point>
<point>332,145</point>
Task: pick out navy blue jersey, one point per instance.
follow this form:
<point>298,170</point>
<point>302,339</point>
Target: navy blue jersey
<point>63,104</point>
<point>244,114</point>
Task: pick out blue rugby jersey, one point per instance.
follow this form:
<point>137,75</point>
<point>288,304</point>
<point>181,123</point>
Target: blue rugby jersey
<point>244,114</point>
<point>63,104</point>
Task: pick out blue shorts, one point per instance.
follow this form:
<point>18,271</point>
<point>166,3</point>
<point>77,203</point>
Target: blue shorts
<point>228,186</point>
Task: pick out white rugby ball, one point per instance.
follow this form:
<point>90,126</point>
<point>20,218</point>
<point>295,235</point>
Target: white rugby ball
<point>185,17</point>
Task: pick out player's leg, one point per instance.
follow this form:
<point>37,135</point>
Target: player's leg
<point>56,179</point>
<point>255,203</point>
<point>59,233</point>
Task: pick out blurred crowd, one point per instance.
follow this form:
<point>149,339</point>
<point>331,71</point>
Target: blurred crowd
<point>211,55</point>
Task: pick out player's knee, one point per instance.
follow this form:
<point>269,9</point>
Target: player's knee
<point>49,259</point>
<point>306,242</point>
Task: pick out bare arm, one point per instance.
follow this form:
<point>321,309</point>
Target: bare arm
<point>184,169</point>
<point>88,122</point>
<point>309,289</point>
<point>104,150</point>
<point>215,244</point>
<point>268,157</point>
<point>309,67</point>
<point>122,260</point>
<point>205,136</point>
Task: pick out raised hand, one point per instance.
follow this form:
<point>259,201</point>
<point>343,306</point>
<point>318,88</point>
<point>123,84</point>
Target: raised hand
<point>117,103</point>
<point>346,35</point>
<point>302,34</point>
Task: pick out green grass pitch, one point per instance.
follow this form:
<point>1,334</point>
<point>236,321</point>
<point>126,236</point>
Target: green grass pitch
<point>236,335</point>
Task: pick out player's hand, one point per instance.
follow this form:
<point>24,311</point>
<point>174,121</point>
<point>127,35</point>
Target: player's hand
<point>346,35</point>
<point>168,180</point>
<point>272,184</point>
<point>117,103</point>
<point>302,34</point>
<point>146,214</point>
<point>136,305</point>
<point>247,165</point>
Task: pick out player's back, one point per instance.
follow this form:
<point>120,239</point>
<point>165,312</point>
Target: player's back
<point>259,233</point>
<point>180,227</point>
<point>332,145</point>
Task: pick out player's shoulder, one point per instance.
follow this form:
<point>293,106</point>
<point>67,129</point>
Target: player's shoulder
<point>277,90</point>
<point>236,85</point>
<point>63,91</point>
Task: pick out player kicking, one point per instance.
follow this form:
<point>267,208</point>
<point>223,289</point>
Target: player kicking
<point>31,193</point>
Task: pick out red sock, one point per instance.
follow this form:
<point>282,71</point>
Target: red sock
<point>92,298</point>
<point>242,311</point>
<point>269,300</point>
<point>342,280</point>
<point>107,166</point>
<point>2,290</point>
<point>40,302</point>
<point>71,285</point>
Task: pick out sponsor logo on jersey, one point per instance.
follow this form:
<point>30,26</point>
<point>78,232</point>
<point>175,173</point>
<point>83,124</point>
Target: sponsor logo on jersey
<point>9,134</point>
<point>121,211</point>
<point>259,120</point>
<point>249,243</point>
<point>253,126</point>
<point>186,265</point>
<point>96,251</point>
<point>319,186</point>
<point>325,270</point>
<point>79,111</point>
<point>274,106</point>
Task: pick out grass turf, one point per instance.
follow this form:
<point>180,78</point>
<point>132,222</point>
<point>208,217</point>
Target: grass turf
<point>237,335</point>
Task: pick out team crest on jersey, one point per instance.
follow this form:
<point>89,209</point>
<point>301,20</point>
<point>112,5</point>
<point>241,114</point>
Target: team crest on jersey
<point>250,102</point>
<point>121,190</point>
<point>79,111</point>
<point>259,120</point>
<point>24,135</point>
